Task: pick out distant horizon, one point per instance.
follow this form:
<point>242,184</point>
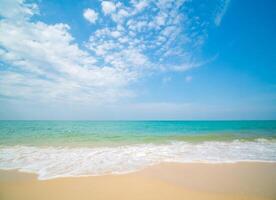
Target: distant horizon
<point>137,120</point>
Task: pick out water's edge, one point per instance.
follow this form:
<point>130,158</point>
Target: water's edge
<point>53,162</point>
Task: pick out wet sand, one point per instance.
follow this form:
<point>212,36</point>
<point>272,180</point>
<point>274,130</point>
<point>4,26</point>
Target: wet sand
<point>164,181</point>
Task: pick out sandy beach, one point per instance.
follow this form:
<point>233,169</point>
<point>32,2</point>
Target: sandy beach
<point>164,181</point>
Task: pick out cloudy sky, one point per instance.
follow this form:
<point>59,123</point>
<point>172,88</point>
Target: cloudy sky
<point>137,59</point>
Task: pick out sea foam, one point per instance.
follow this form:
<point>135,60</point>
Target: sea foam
<point>53,162</point>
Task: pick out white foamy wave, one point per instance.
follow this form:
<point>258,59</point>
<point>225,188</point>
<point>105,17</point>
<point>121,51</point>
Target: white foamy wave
<point>52,162</point>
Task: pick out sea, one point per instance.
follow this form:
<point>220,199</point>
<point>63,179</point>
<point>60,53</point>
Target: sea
<point>53,149</point>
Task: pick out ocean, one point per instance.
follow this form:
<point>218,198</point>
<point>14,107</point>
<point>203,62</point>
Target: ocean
<point>54,149</point>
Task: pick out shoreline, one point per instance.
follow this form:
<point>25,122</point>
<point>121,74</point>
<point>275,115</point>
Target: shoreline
<point>54,162</point>
<point>244,180</point>
<point>140,170</point>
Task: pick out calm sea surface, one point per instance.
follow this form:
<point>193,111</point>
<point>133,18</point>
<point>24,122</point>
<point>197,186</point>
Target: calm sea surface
<point>91,133</point>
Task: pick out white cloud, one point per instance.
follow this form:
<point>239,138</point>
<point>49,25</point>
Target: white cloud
<point>108,7</point>
<point>16,9</point>
<point>140,5</point>
<point>47,63</point>
<point>184,67</point>
<point>115,34</point>
<point>52,65</point>
<point>123,13</point>
<point>90,15</point>
<point>160,20</point>
<point>147,39</point>
<point>222,9</point>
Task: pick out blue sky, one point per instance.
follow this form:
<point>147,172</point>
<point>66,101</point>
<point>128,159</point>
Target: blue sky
<point>137,59</point>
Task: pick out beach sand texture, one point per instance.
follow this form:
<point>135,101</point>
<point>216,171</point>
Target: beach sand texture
<point>164,181</point>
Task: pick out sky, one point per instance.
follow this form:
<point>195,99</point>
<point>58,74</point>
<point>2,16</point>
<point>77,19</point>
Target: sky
<point>137,59</point>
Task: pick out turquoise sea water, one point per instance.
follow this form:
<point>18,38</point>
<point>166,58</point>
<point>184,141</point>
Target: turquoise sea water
<point>102,133</point>
<point>54,149</point>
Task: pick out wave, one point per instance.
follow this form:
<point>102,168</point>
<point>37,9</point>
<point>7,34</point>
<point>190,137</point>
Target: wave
<point>53,162</point>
